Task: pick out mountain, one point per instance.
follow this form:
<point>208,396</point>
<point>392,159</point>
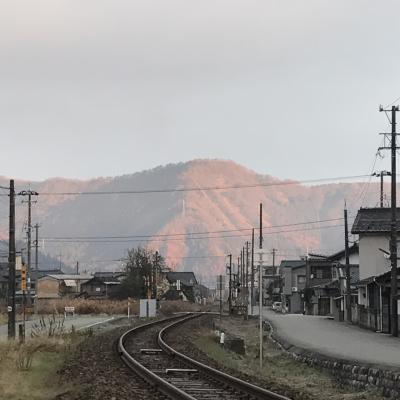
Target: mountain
<point>285,204</point>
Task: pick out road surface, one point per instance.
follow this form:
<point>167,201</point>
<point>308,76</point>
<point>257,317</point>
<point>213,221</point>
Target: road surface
<point>335,339</point>
<point>78,321</point>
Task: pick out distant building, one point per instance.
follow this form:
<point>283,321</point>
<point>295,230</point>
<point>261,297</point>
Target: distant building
<point>373,227</point>
<point>102,285</point>
<point>55,286</point>
<point>182,286</point>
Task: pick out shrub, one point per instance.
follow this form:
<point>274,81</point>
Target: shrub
<point>168,307</point>
<point>87,306</point>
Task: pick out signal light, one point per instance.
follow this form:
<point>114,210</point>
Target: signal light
<point>23,277</point>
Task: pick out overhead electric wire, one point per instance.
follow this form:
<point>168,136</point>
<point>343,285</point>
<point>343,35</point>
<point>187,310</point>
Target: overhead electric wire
<point>205,188</point>
<point>109,241</point>
<point>187,233</point>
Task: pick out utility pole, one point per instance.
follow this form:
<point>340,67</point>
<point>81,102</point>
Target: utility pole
<point>11,265</point>
<point>155,276</point>
<point>36,266</point>
<point>230,284</point>
<point>260,292</point>
<point>242,274</point>
<point>247,279</point>
<point>77,267</point>
<point>273,260</point>
<point>252,272</point>
<point>347,258</point>
<point>381,174</point>
<point>29,193</point>
<point>393,224</point>
<point>261,233</point>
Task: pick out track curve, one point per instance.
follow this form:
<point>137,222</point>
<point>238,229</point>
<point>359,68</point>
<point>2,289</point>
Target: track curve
<point>174,374</point>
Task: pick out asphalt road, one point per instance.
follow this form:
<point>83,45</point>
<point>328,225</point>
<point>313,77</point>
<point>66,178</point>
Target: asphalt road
<point>78,321</point>
<point>336,339</point>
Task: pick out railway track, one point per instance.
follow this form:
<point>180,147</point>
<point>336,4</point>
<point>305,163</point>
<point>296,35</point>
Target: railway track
<point>176,376</point>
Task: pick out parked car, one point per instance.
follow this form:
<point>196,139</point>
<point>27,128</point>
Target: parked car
<point>277,306</point>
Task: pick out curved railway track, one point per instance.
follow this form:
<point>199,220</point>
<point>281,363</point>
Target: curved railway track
<point>177,376</point>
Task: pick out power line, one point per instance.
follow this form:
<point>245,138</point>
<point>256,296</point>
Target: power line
<point>392,103</point>
<point>206,188</point>
<point>109,241</point>
<point>186,233</point>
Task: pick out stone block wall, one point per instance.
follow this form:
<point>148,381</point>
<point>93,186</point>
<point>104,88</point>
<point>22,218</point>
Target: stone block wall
<point>384,380</point>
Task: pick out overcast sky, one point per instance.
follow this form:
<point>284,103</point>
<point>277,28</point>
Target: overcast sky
<point>289,88</point>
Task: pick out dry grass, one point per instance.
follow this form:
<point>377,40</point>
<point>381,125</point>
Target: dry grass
<point>168,307</point>
<point>88,306</point>
<point>29,371</point>
<point>277,366</point>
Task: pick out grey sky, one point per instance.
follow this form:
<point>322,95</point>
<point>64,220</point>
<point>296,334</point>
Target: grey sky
<point>289,88</point>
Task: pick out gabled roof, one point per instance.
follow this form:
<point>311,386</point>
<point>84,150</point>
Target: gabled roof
<point>187,278</point>
<point>110,280</point>
<point>374,220</point>
<point>352,250</point>
<point>292,264</point>
<point>109,274</point>
<point>62,277</point>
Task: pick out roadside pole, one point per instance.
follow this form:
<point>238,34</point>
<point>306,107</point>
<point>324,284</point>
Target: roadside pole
<point>260,311</point>
<point>11,265</point>
<point>260,287</point>
<point>252,273</point>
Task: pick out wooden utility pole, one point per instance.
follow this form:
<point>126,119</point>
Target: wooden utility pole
<point>347,258</point>
<point>11,265</point>
<point>393,224</point>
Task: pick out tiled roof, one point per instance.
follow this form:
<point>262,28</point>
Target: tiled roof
<point>69,277</point>
<point>374,220</point>
<point>292,263</point>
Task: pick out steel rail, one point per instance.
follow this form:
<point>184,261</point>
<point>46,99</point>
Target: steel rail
<point>225,379</point>
<point>150,377</point>
<point>169,389</point>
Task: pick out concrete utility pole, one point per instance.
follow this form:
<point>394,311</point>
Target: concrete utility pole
<point>381,174</point>
<point>230,284</point>
<point>247,279</point>
<point>347,257</point>
<point>252,272</point>
<point>260,294</point>
<point>393,224</point>
<point>36,265</point>
<point>29,193</point>
<point>273,260</point>
<point>11,265</point>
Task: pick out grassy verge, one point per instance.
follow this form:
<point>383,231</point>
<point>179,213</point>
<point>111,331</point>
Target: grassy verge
<point>278,367</point>
<point>29,370</point>
<point>40,382</point>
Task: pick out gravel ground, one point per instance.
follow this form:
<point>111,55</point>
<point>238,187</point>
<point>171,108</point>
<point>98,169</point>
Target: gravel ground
<point>96,371</point>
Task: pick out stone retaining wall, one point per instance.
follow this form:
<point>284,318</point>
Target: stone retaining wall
<point>385,380</point>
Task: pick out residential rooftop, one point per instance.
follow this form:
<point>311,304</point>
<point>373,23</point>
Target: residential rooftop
<point>374,220</point>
